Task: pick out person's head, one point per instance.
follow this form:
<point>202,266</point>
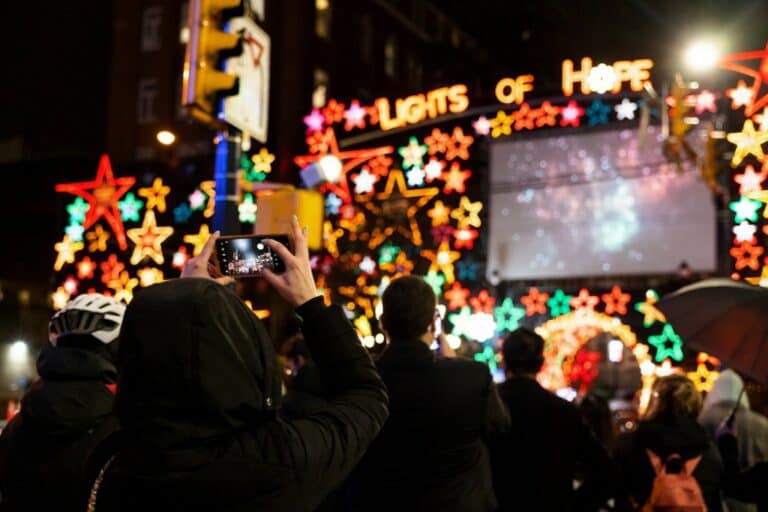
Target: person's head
<point>523,352</point>
<point>674,395</point>
<point>728,389</point>
<point>90,321</point>
<point>408,309</point>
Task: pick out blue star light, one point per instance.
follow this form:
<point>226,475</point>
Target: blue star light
<point>467,269</point>
<point>597,113</point>
<point>182,213</point>
<point>332,204</point>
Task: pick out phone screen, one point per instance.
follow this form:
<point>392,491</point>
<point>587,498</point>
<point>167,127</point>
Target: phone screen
<point>248,256</point>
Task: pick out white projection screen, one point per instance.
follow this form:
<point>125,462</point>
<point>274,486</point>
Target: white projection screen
<point>595,204</point>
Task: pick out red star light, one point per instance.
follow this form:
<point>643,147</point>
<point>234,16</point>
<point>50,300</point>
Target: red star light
<point>760,75</point>
<point>705,102</point>
<point>749,180</point>
<point>571,114</point>
<point>483,303</point>
<point>102,195</point>
<point>616,301</point>
<point>584,300</point>
<point>455,178</point>
<point>457,296</point>
<point>535,302</point>
<point>747,255</point>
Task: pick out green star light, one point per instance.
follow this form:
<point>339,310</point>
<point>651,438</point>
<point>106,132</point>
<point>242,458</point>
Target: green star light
<point>662,343</point>
<point>508,316</point>
<point>559,303</point>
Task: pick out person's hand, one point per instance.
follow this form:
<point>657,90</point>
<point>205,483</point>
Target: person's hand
<point>445,348</point>
<point>296,284</point>
<point>200,265</point>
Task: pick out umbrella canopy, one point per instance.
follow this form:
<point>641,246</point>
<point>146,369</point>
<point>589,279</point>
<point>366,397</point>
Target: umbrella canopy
<point>725,318</point>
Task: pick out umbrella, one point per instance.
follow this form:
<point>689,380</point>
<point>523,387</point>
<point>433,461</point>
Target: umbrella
<point>724,318</point>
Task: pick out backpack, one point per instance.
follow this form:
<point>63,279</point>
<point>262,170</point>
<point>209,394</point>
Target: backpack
<point>674,491</point>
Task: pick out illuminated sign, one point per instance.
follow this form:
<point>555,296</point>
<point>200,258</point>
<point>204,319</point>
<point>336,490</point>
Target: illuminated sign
<point>419,107</point>
<point>603,78</point>
<point>512,90</point>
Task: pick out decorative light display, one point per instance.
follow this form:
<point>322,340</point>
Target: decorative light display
<point>182,213</point>
<point>198,240</point>
<point>66,250</point>
<point>501,124</point>
<point>77,210</point>
<point>413,153</point>
<point>364,182</point>
<point>745,209</point>
<point>571,114</point>
<point>437,141</point>
<point>85,268</point>
<point>455,179</point>
<point>584,301</point>
<point>748,142</point>
<point>314,121</point>
<point>457,145</point>
<point>415,177</point>
<point>354,116</point>
<point>482,126</point>
<point>668,344</point>
<point>155,195</point>
<point>111,269</point>
<point>483,302</point>
<point>247,209</point>
<point>442,259</point>
<point>597,113</point>
<point>102,195</point>
<point>508,316</point>
<point>197,200</point>
<point>535,302</point>
<point>59,298</point>
<point>762,120</point>
<point>436,281</point>
<point>149,276</point>
<point>616,301</point>
<point>750,181</point>
<point>75,232</point>
<point>741,95</point>
<point>649,310</point>
<point>747,255</point>
<point>705,102</point>
<point>467,214</point>
<point>559,303</point>
<point>97,239</point>
<point>703,378</point>
<point>456,296</point>
<point>465,238</point>
<point>625,109</point>
<point>130,208</point>
<point>148,239</point>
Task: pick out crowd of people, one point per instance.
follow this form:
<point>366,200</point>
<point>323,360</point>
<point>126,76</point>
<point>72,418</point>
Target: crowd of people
<point>177,402</point>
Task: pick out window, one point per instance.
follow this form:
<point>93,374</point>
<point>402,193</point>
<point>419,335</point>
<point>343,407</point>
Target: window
<point>390,56</point>
<point>366,38</point>
<point>323,18</point>
<point>320,89</point>
<point>150,29</point>
<point>145,101</point>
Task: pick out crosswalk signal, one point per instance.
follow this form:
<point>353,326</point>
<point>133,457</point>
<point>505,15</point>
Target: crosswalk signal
<point>203,83</point>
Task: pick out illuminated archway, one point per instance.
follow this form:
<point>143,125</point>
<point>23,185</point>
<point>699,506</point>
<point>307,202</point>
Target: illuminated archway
<point>566,334</point>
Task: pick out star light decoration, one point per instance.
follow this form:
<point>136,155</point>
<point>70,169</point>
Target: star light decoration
<point>483,302</point>
<point>180,258</point>
<point>465,238</point>
<point>66,250</point>
<point>597,113</point>
<point>130,208</point>
<point>149,276</point>
<point>77,210</point>
<point>262,161</point>
<point>415,177</point>
<point>705,102</point>
<point>762,120</point>
<point>97,239</point>
<point>740,96</point>
<point>747,255</point>
<point>668,344</point>
<point>751,181</point>
<point>209,188</point>
<point>455,178</point>
<point>761,280</point>
<point>482,126</point>
<point>467,214</point>
<point>85,268</point>
<point>745,209</point>
<point>247,209</point>
<point>333,112</point>
<point>364,182</point>
<point>354,116</point>
<point>155,195</point>
<point>501,124</point>
<point>535,302</point>
<point>571,114</point>
<point>75,232</point>
<point>744,232</point>
<point>442,259</point>
<point>748,142</point>
<point>649,310</point>
<point>703,378</point>
<point>508,315</point>
<point>387,206</point>
<point>198,240</point>
<point>111,269</point>
<point>182,213</point>
<point>457,145</point>
<point>584,301</point>
<point>456,296</point>
<point>413,153</point>
<point>102,195</point>
<point>616,301</point>
<point>314,121</point>
<point>197,200</point>
<point>625,109</point>
<point>434,169</point>
<point>436,281</point>
<point>559,303</point>
<point>148,239</point>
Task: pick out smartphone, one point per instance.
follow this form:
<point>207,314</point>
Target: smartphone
<point>440,314</point>
<point>248,255</point>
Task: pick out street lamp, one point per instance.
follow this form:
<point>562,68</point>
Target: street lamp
<point>165,137</point>
<point>702,55</point>
<point>18,353</point>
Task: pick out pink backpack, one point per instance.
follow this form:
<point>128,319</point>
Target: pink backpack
<point>674,492</point>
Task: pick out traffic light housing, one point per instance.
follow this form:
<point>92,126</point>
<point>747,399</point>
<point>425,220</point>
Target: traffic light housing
<point>203,83</point>
<point>681,122</point>
<point>709,165</point>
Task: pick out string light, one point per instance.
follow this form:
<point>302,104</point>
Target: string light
<point>148,239</point>
<point>668,344</point>
<point>535,302</point>
<point>130,208</point>
<point>66,250</point>
<point>703,378</point>
<point>649,310</point>
<point>616,301</point>
<point>442,259</point>
<point>559,303</point>
<point>467,213</point>
<point>508,315</point>
<point>455,178</point>
<point>456,296</point>
<point>748,142</point>
<point>155,195</point>
<point>483,303</point>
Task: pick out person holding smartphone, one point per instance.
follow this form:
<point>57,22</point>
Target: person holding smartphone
<point>199,392</point>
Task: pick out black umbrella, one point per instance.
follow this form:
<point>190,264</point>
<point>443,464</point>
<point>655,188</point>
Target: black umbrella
<point>724,318</point>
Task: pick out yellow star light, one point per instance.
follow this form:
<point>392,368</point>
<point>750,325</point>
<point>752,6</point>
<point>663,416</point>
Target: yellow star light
<point>762,280</point>
<point>402,266</point>
<point>442,260</point>
<point>155,195</point>
<point>331,236</point>
<point>148,239</point>
<point>149,276</point>
<point>748,142</point>
<point>439,214</point>
<point>198,240</point>
<point>467,213</point>
<point>66,250</point>
<point>59,298</point>
<point>262,161</point>
<point>209,188</point>
<point>501,124</point>
<point>391,203</point>
<point>97,238</point>
<point>703,378</point>
<point>123,287</point>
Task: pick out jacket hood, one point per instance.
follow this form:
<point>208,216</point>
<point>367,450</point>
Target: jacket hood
<point>71,397</point>
<point>194,363</point>
<point>727,388</point>
<point>676,434</point>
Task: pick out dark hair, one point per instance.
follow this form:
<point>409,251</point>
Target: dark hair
<point>673,395</point>
<point>523,351</point>
<point>408,308</point>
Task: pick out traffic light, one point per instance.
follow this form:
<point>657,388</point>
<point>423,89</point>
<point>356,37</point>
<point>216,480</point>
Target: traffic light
<point>710,163</point>
<point>682,102</point>
<point>203,83</point>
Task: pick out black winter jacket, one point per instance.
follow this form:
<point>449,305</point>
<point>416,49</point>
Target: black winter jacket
<point>547,446</point>
<point>431,453</point>
<point>198,392</point>
<point>44,450</point>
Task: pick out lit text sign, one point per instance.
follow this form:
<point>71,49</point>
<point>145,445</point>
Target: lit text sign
<point>419,107</point>
<point>603,78</point>
<point>512,90</point>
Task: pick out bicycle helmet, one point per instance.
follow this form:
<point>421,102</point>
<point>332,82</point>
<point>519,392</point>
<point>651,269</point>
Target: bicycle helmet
<point>92,314</point>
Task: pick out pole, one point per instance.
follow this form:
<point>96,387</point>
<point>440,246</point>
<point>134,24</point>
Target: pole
<point>225,174</point>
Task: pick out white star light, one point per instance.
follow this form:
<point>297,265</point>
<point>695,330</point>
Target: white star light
<point>364,182</point>
<point>433,169</point>
<point>744,232</point>
<point>415,177</point>
<point>625,109</point>
<point>75,232</point>
<point>197,199</point>
<point>368,265</point>
<point>482,126</point>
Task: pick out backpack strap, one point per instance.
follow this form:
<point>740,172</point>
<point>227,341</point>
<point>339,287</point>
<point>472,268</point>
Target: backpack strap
<point>690,465</point>
<point>656,463</point>
<point>97,485</point>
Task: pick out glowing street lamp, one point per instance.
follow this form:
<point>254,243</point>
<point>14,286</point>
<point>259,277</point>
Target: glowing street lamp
<point>702,55</point>
<point>165,137</point>
<point>18,353</point>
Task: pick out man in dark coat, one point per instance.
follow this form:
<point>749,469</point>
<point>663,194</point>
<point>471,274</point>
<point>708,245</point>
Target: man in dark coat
<point>44,450</point>
<point>200,387</point>
<point>430,454</point>
<point>536,463</point>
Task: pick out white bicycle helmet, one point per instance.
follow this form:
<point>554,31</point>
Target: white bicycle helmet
<point>90,313</point>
